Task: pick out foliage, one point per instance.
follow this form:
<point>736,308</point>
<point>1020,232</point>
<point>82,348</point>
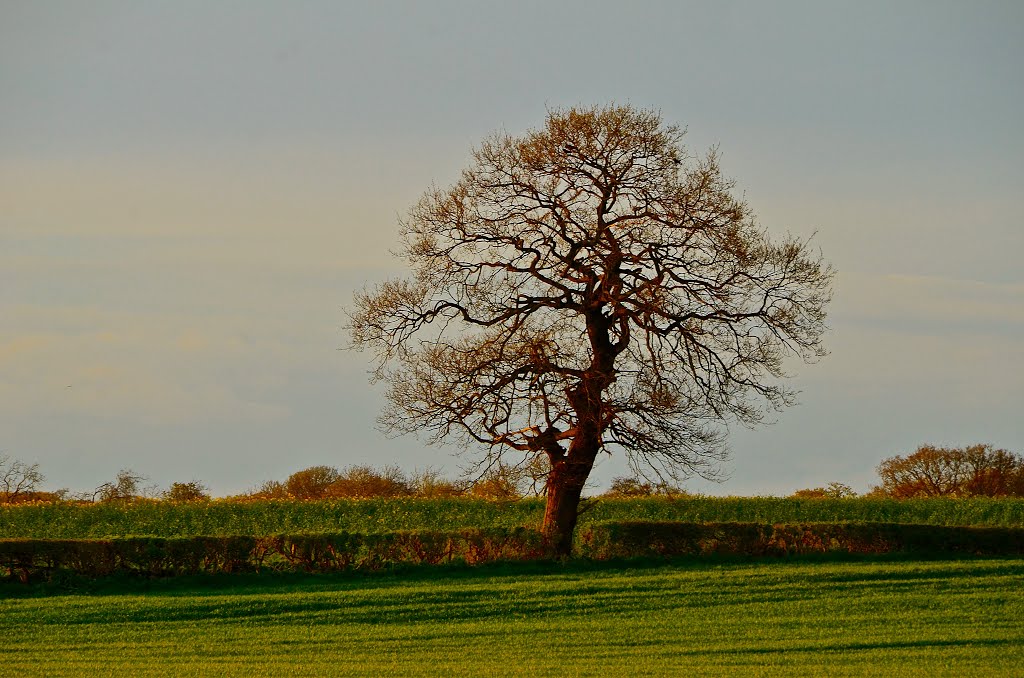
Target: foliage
<point>325,482</point>
<point>977,470</point>
<point>374,516</point>
<point>26,559</point>
<point>631,486</point>
<point>190,491</point>
<point>639,539</point>
<point>833,490</point>
<point>500,483</point>
<point>508,482</point>
<point>271,489</point>
<point>311,483</point>
<point>431,484</point>
<point>365,481</point>
<point>18,481</point>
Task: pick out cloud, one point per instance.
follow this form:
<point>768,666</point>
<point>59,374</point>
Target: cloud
<point>275,204</point>
<point>148,368</point>
<point>927,339</point>
<point>926,304</point>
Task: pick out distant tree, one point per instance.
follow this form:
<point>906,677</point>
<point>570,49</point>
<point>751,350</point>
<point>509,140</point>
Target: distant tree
<point>994,473</point>
<point>311,483</point>
<point>430,483</point>
<point>831,491</point>
<point>190,491</point>
<point>500,482</point>
<point>127,485</point>
<point>977,470</point>
<point>632,486</point>
<point>271,489</point>
<point>588,287</point>
<point>18,480</point>
<point>366,482</point>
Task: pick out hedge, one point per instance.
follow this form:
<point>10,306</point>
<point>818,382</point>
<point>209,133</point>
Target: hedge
<point>638,539</point>
<point>28,559</point>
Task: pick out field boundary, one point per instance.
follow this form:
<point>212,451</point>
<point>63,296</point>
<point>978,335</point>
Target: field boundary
<point>40,559</point>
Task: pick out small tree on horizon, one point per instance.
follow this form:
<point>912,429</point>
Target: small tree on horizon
<point>190,491</point>
<point>126,486</point>
<point>632,486</point>
<point>590,287</point>
<point>834,490</point>
<point>18,479</point>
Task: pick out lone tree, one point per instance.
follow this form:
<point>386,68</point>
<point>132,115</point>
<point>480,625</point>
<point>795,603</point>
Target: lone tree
<point>590,287</point>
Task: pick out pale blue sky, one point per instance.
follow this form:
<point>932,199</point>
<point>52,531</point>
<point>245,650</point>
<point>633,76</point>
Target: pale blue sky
<point>191,191</point>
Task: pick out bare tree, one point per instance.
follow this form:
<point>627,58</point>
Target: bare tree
<point>17,479</point>
<point>127,485</point>
<point>591,287</point>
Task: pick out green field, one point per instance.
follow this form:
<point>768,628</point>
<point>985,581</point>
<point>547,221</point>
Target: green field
<point>165,519</point>
<point>793,617</point>
<point>833,615</point>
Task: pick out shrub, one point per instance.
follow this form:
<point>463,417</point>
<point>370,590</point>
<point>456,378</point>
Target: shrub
<point>311,483</point>
<point>272,489</point>
<point>26,559</point>
<point>633,539</point>
<point>430,484</point>
<point>626,486</point>
<point>190,491</point>
<point>365,482</point>
<point>831,491</point>
<point>510,482</point>
<point>501,482</point>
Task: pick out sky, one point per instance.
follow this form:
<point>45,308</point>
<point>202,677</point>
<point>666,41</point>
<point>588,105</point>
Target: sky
<point>192,191</point>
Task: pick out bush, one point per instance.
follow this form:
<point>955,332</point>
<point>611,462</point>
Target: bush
<point>272,489</point>
<point>190,491</point>
<point>430,484</point>
<point>364,482</point>
<point>27,559</point>
<point>636,539</point>
<point>832,491</point>
<point>625,487</point>
<point>509,482</point>
<point>311,483</point>
<point>500,483</point>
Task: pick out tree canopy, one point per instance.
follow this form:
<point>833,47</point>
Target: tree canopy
<point>591,286</point>
<point>974,470</point>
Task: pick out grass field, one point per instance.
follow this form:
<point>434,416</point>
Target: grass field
<point>792,617</point>
<point>165,519</point>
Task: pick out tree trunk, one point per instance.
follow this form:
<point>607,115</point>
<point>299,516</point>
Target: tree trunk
<point>565,485</point>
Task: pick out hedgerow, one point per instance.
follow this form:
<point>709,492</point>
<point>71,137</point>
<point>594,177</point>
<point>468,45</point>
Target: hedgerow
<point>28,559</point>
<point>638,539</point>
<point>377,516</point>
